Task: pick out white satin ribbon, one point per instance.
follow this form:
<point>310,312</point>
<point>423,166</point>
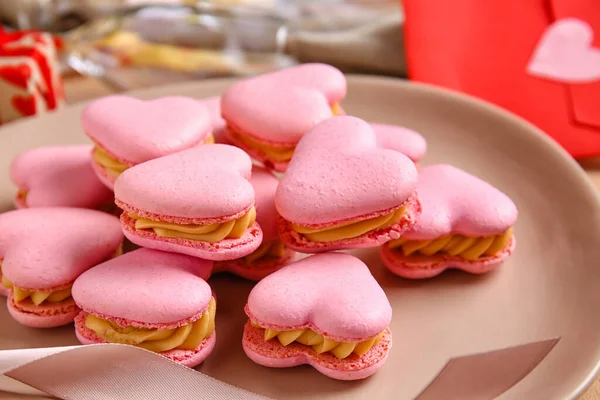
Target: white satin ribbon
<point>108,371</point>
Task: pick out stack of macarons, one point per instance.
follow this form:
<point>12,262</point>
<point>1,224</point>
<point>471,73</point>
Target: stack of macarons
<point>242,183</point>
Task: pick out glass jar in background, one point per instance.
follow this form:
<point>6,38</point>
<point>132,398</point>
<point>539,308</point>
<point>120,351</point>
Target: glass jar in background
<point>52,15</point>
<point>142,46</point>
<point>130,44</point>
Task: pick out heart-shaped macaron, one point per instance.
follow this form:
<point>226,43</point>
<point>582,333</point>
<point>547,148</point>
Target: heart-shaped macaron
<point>269,114</point>
<point>272,253</point>
<point>326,310</point>
<point>399,138</point>
<point>152,299</point>
<point>197,202</point>
<point>43,251</point>
<point>466,223</point>
<point>342,191</point>
<point>128,131</point>
<point>58,177</point>
<point>565,53</point>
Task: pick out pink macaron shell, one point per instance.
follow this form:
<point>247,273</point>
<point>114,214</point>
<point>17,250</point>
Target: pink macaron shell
<point>257,270</point>
<point>455,202</point>
<point>281,106</point>
<point>58,177</point>
<point>421,267</point>
<point>272,354</point>
<point>324,78</point>
<point>209,181</point>
<point>67,242</point>
<point>338,173</point>
<point>298,242</point>
<point>189,358</point>
<point>227,249</point>
<point>146,287</point>
<point>44,315</point>
<point>134,131</point>
<point>399,138</point>
<point>333,294</point>
<point>213,105</point>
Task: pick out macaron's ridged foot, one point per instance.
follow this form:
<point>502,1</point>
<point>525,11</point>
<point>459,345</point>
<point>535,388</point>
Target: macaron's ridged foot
<point>48,316</point>
<point>228,249</point>
<point>298,242</point>
<point>272,354</point>
<point>189,358</point>
<point>420,267</point>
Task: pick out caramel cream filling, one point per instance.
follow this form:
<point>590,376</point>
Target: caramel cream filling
<point>40,296</point>
<point>319,343</point>
<point>187,337</point>
<point>274,249</point>
<point>37,297</point>
<point>212,233</point>
<point>350,229</point>
<point>119,251</point>
<point>466,247</point>
<point>274,153</point>
<point>114,167</point>
<point>22,195</point>
<point>336,109</point>
<point>110,165</point>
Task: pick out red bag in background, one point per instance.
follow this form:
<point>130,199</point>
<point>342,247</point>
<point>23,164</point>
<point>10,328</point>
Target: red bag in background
<point>537,58</point>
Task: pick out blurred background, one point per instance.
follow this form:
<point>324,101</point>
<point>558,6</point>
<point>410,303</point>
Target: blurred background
<point>127,44</point>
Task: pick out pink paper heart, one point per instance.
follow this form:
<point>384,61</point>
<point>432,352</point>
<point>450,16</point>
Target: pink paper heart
<point>565,53</point>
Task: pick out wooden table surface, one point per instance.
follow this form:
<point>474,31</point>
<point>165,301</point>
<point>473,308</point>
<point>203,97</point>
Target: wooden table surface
<point>79,88</point>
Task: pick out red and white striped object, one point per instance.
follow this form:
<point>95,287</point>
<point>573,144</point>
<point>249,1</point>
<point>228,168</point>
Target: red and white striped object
<point>30,81</point>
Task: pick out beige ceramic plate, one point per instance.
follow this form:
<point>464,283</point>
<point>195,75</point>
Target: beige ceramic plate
<point>549,289</point>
